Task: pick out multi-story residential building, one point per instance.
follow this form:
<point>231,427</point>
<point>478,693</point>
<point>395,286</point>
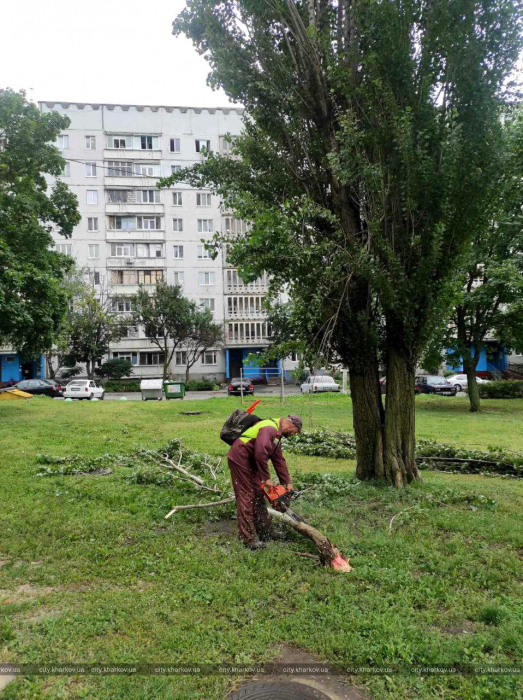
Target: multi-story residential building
<point>133,234</point>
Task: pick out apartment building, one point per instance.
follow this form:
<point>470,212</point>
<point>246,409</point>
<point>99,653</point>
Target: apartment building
<point>133,234</point>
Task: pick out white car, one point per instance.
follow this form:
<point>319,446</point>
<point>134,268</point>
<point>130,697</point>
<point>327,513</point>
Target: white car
<point>83,389</point>
<point>460,381</point>
<point>316,384</point>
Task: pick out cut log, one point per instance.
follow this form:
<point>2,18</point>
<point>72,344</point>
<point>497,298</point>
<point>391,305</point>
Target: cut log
<point>330,556</point>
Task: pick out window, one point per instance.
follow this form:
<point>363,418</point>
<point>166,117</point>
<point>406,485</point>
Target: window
<point>90,169</point>
<point>181,357</point>
<point>175,145</point>
<point>147,169</point>
<point>131,356</point>
<point>149,223</point>
<point>152,358</point>
<point>149,250</point>
<point>175,168</point>
<point>206,279</point>
<point>150,276</point>
<point>94,250</point>
<point>122,223</point>
<point>146,143</point>
<point>66,172</point>
<point>226,144</point>
<point>132,332</point>
<point>179,278</point>
<point>235,225</point>
<point>203,252</point>
<point>178,225</point>
<point>178,252</point>
<point>122,250</point>
<point>92,223</point>
<point>92,196</point>
<point>295,357</point>
<point>96,278</point>
<point>117,196</point>
<point>64,248</point>
<point>177,199</point>
<point>202,144</point>
<point>119,168</point>
<point>90,143</point>
<point>208,304</point>
<point>203,199</point>
<point>116,142</point>
<point>148,196</point>
<point>63,142</point>
<point>209,357</point>
<point>205,225</point>
<point>122,306</point>
<point>124,277</point>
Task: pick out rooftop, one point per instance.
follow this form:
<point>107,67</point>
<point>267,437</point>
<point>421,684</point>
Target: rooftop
<point>140,108</point>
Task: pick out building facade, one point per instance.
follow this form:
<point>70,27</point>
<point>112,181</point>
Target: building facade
<point>133,234</point>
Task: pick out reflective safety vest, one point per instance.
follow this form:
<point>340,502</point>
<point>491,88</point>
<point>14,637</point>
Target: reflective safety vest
<point>252,432</point>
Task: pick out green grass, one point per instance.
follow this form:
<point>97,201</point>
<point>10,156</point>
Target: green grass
<point>93,573</point>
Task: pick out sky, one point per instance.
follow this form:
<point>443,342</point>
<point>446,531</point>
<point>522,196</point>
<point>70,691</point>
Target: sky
<point>116,51</point>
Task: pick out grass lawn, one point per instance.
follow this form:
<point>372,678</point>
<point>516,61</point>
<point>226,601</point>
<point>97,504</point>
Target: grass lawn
<point>91,572</point>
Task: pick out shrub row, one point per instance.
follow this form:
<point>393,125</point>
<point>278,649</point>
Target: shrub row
<point>509,389</point>
<point>121,386</point>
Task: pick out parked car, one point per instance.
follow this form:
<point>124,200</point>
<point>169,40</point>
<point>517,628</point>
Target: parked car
<point>319,383</point>
<point>40,387</point>
<point>83,389</point>
<point>237,385</point>
<point>460,381</point>
<point>432,384</point>
<point>383,386</point>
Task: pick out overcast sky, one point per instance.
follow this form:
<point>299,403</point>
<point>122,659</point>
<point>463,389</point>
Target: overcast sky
<point>118,51</point>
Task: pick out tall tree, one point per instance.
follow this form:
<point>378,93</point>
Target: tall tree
<point>489,293</point>
<point>166,316</point>
<point>93,327</point>
<point>32,298</point>
<point>369,141</point>
<point>203,335</point>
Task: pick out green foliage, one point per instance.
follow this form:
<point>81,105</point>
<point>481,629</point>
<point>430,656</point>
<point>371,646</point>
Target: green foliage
<point>74,464</point>
<point>115,369</point>
<point>493,461</point>
<point>113,386</point>
<point>32,297</point>
<point>200,385</point>
<point>509,389</point>
<point>322,443</point>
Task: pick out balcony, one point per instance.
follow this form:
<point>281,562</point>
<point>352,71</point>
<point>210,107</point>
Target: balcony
<point>137,208</point>
<point>131,153</point>
<point>134,236</point>
<point>128,263</point>
<point>253,287</point>
<point>247,333</point>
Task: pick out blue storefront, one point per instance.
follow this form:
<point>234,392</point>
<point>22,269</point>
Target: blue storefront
<point>12,368</point>
<point>236,362</point>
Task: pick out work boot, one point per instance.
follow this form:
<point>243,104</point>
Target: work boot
<point>255,544</point>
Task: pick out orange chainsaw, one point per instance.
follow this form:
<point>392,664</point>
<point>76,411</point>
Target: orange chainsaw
<point>279,497</point>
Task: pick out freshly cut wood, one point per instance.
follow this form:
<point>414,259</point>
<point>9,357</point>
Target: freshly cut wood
<point>330,556</point>
<point>199,505</point>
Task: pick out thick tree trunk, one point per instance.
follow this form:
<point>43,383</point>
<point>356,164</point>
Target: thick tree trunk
<point>469,365</point>
<point>187,374</point>
<point>367,419</point>
<point>400,439</point>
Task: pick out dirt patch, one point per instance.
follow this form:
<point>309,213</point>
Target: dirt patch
<point>318,685</point>
<point>24,593</point>
<point>5,679</point>
<point>220,528</point>
<point>42,615</point>
<point>465,627</point>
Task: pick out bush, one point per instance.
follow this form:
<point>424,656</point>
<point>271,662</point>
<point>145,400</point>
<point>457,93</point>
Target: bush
<point>510,389</point>
<point>200,385</point>
<point>122,386</point>
<point>115,369</point>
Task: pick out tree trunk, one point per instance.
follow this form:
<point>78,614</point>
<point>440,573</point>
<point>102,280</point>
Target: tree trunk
<point>89,366</point>
<point>50,367</point>
<point>400,438</point>
<point>367,419</point>
<point>187,372</point>
<point>469,365</point>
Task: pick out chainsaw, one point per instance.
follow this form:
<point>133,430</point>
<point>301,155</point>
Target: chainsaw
<point>279,497</point>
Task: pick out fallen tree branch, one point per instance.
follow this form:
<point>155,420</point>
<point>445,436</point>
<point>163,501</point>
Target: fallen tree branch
<point>200,505</point>
<point>398,514</point>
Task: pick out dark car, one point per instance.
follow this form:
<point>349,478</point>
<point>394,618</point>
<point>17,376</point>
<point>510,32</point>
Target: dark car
<point>40,387</point>
<point>237,385</point>
<point>383,386</point>
<point>432,384</point>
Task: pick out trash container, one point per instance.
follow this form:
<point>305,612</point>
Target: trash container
<point>151,389</point>
<point>173,389</point>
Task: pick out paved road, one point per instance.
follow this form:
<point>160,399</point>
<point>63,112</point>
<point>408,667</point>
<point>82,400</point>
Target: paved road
<point>198,395</point>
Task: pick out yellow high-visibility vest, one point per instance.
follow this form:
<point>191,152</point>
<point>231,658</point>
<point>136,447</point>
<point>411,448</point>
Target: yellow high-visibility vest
<point>252,432</point>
